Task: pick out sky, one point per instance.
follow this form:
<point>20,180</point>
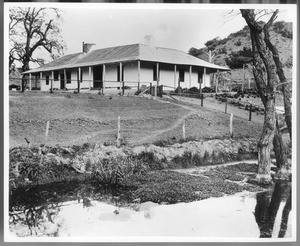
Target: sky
<point>170,27</point>
<point>177,26</point>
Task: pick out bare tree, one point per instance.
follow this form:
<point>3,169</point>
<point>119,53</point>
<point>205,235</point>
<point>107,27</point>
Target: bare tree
<point>266,60</point>
<point>31,30</point>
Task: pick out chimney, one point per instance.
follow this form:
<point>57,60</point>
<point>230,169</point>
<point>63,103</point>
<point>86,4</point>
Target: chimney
<point>86,47</point>
<point>149,40</point>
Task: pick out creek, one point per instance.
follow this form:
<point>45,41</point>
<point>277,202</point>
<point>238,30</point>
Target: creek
<point>108,215</point>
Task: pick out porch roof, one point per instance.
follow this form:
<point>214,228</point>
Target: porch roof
<point>126,53</point>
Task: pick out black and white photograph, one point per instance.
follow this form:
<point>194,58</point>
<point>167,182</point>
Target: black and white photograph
<point>149,122</point>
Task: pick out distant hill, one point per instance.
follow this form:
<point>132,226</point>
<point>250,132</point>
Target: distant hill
<point>235,50</point>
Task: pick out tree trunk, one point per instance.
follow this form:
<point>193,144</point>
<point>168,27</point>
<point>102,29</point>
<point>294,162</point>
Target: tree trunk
<point>266,209</point>
<point>25,68</point>
<point>283,172</point>
<point>285,216</point>
<point>285,87</point>
<point>265,144</point>
<point>263,63</point>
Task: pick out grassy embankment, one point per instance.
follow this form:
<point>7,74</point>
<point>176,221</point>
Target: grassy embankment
<point>51,172</point>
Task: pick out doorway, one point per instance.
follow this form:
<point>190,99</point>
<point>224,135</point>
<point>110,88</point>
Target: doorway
<point>97,77</point>
<point>62,81</point>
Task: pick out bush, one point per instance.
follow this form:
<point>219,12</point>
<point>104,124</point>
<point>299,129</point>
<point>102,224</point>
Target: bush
<point>194,90</point>
<point>150,161</point>
<point>289,62</point>
<point>283,28</point>
<point>114,170</point>
<point>211,44</point>
<point>238,42</point>
<point>237,59</point>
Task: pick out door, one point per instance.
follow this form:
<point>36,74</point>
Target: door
<point>62,81</point>
<point>97,74</point>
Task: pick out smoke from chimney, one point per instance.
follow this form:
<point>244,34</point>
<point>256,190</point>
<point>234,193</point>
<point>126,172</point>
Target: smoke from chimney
<point>149,40</point>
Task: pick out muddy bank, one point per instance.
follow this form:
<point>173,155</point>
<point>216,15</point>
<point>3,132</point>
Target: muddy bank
<point>83,159</point>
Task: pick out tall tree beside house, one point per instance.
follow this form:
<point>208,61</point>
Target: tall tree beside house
<point>265,60</point>
<point>32,30</point>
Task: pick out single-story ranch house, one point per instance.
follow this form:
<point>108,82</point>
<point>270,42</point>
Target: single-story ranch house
<point>134,64</point>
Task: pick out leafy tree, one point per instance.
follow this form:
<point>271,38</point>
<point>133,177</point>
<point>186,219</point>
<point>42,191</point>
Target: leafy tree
<point>200,53</point>
<point>211,44</point>
<point>32,30</point>
<point>283,28</point>
<point>237,59</point>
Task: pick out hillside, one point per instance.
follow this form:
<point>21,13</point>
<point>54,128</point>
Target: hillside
<point>85,118</point>
<point>239,44</point>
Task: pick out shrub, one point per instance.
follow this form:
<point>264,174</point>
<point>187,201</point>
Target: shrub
<point>289,62</point>
<point>114,170</point>
<point>194,90</point>
<point>211,44</point>
<point>151,161</point>
<point>283,28</point>
<point>237,59</point>
<point>223,50</point>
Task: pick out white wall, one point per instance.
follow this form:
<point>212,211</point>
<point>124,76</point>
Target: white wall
<point>131,75</point>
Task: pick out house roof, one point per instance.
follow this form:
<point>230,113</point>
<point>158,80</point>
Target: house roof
<point>125,53</point>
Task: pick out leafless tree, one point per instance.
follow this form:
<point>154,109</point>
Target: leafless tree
<point>266,60</point>
<point>31,30</point>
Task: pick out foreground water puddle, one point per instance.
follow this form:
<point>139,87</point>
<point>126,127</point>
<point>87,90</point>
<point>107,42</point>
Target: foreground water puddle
<point>243,215</point>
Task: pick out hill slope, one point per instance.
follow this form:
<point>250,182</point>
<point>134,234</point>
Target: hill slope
<point>224,49</point>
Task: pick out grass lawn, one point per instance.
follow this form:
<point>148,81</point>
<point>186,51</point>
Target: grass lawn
<point>89,118</point>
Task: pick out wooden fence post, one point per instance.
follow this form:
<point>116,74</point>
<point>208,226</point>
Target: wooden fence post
<point>183,129</point>
<point>230,126</point>
<point>119,132</point>
<point>250,112</point>
<point>47,131</point>
<point>226,102</point>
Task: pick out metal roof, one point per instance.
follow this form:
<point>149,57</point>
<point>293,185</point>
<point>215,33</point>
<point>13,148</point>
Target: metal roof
<point>125,53</point>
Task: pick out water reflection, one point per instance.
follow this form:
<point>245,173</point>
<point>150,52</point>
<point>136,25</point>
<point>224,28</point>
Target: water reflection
<point>267,208</point>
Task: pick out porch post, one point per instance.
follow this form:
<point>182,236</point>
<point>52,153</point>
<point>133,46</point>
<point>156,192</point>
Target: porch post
<point>52,78</point>
<point>204,76</point>
<point>65,79</point>
<point>90,76</point>
<point>190,76</point>
<point>175,80</point>
<point>78,80</point>
<point>139,74</point>
<point>103,78</point>
<point>217,80</point>
<point>157,81</point>
<point>121,77</point>
<point>41,76</point>
<point>30,81</point>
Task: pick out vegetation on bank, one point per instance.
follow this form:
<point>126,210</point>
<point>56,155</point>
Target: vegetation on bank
<point>52,174</point>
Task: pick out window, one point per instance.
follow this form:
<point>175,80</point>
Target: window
<point>47,80</point>
<point>68,73</point>
<point>55,75</point>
<point>181,75</point>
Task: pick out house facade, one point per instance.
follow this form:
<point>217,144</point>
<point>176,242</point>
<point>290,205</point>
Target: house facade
<point>130,65</point>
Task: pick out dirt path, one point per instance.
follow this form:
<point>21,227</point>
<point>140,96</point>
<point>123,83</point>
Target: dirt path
<point>177,123</point>
<point>202,169</point>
